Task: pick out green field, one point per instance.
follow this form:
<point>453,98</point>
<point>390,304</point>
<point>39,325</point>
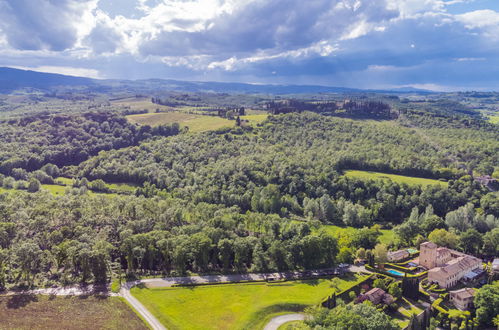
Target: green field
<point>53,312</point>
<point>368,175</point>
<point>233,306</point>
<point>196,123</point>
<point>139,104</point>
<point>255,119</point>
<point>387,235</point>
<point>494,119</point>
<point>207,123</point>
<point>54,189</point>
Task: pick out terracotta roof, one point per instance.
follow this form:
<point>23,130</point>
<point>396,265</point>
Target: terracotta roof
<point>430,245</point>
<point>456,265</point>
<point>464,293</point>
<point>375,292</point>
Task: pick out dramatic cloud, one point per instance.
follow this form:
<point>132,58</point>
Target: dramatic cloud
<point>364,43</point>
<point>43,24</point>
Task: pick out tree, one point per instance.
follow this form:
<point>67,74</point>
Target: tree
<point>380,252</point>
<point>34,185</point>
<point>431,223</point>
<point>395,290</point>
<point>487,303</point>
<point>443,237</point>
<point>226,252</point>
<point>491,242</point>
<point>28,255</point>
<point>408,230</point>
<point>471,241</point>
<point>361,253</point>
<point>355,317</point>
<point>380,283</point>
<point>410,287</point>
<point>462,218</point>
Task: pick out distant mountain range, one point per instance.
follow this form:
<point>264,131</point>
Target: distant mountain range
<point>13,79</point>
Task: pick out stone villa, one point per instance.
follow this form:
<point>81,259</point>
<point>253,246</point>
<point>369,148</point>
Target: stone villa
<point>378,296</point>
<point>445,266</point>
<point>397,255</point>
<point>463,298</point>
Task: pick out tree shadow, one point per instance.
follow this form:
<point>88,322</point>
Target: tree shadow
<point>312,282</point>
<point>21,300</point>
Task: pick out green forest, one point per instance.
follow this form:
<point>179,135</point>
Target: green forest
<point>251,198</point>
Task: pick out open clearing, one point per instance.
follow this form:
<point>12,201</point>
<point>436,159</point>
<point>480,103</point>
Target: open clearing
<point>368,175</point>
<point>196,123</point>
<point>69,312</point>
<point>139,104</point>
<point>255,119</point>
<point>387,236</point>
<point>233,306</point>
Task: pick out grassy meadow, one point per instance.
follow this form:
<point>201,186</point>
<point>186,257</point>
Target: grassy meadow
<point>56,312</point>
<point>195,123</point>
<point>255,119</point>
<point>368,175</point>
<point>234,306</point>
<point>387,235</point>
<point>140,104</point>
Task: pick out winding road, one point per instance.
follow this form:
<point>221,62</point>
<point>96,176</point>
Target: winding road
<point>277,321</point>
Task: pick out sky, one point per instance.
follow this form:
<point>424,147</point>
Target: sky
<point>434,44</point>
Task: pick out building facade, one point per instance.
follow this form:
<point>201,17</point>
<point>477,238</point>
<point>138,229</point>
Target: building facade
<point>463,298</point>
<point>394,256</point>
<point>445,266</point>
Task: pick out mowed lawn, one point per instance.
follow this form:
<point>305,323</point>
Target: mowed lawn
<point>233,306</point>
<point>196,123</point>
<point>56,312</point>
<point>368,175</point>
<point>387,235</point>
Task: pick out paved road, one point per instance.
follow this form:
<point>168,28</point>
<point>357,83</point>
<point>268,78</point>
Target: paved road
<point>170,281</point>
<point>153,321</point>
<point>277,321</point>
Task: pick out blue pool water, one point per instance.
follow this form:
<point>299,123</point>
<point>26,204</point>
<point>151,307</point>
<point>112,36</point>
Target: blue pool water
<point>395,272</point>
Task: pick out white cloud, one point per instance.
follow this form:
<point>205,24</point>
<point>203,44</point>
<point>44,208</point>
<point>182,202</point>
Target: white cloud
<point>42,24</point>
<point>479,19</point>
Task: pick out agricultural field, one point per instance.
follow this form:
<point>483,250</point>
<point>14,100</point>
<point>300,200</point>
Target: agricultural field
<point>368,175</point>
<point>196,123</point>
<point>387,235</point>
<point>139,104</point>
<point>234,306</point>
<point>55,312</point>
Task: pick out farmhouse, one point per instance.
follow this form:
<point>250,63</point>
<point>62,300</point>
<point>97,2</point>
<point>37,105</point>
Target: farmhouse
<point>463,298</point>
<point>446,266</point>
<point>397,255</point>
<point>377,296</point>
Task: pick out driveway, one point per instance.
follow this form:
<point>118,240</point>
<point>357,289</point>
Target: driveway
<point>277,321</point>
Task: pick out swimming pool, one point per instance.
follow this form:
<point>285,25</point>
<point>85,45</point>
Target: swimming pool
<point>395,272</point>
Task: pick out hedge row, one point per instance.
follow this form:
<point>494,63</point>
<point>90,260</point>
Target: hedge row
<point>401,268</point>
<point>344,294</point>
